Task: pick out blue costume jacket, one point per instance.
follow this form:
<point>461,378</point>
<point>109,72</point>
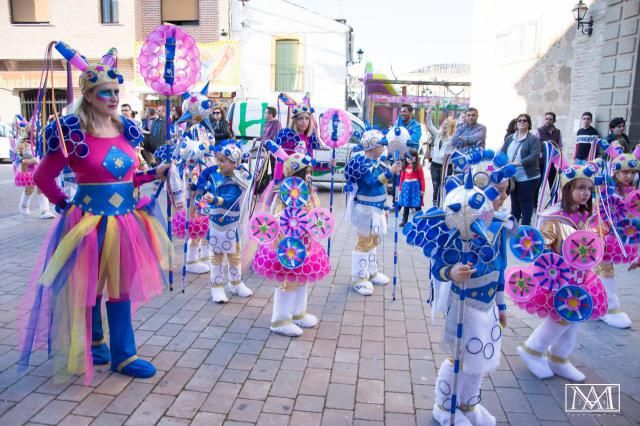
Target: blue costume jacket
<point>414,130</point>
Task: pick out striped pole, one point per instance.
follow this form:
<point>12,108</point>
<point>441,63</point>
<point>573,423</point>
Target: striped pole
<point>167,111</point>
<point>458,355</point>
<point>333,171</point>
<point>395,234</point>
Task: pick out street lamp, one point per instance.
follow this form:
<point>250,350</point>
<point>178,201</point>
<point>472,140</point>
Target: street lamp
<point>579,12</point>
<point>223,33</point>
<point>360,52</point>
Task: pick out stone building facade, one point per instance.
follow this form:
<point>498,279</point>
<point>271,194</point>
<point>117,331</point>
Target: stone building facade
<point>535,61</point>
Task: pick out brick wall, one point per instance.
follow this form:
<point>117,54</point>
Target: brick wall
<point>212,18</point>
<point>619,84</point>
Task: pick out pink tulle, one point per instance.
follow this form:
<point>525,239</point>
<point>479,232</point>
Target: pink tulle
<point>24,178</point>
<point>198,225</point>
<point>541,304</point>
<point>315,267</point>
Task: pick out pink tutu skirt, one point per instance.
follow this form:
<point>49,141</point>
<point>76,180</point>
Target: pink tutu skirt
<point>198,225</point>
<point>23,179</point>
<point>315,267</point>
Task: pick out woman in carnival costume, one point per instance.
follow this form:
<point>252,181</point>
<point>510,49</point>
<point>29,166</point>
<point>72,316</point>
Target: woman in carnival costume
<point>221,190</point>
<point>473,257</point>
<point>558,288</point>
<point>104,245</point>
<point>367,177</point>
<point>625,168</point>
<point>291,254</point>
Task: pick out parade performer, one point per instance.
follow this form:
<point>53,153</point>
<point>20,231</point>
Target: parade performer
<point>104,245</point>
<point>289,250</point>
<point>412,184</point>
<point>367,179</point>
<point>561,288</point>
<point>625,168</point>
<point>221,189</point>
<point>467,245</point>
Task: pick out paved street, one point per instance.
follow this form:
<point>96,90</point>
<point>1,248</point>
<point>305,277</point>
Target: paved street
<point>370,361</point>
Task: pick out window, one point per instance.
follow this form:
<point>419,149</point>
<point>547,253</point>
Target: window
<point>109,9</point>
<point>180,12</point>
<point>288,74</point>
<point>29,100</point>
<point>30,11</point>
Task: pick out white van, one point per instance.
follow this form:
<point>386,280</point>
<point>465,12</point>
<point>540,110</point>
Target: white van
<point>5,144</point>
<point>246,120</point>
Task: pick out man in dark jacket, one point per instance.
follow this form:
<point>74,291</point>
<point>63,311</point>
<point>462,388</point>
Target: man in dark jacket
<point>587,138</point>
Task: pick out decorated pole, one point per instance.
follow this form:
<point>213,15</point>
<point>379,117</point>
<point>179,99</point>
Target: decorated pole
<point>170,64</point>
<point>335,132</point>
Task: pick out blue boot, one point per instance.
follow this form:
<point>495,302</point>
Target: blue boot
<point>123,343</point>
<point>99,348</point>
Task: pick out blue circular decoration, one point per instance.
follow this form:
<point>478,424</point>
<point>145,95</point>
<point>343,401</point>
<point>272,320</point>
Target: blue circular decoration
<point>487,253</point>
<point>294,221</point>
<point>294,192</point>
<point>411,236</point>
<point>527,244</point>
<point>429,249</point>
<point>291,253</point>
<point>573,303</point>
<point>81,150</point>
<point>551,271</point>
<point>451,256</point>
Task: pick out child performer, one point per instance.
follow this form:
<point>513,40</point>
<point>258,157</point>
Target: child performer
<point>223,187</point>
<point>367,179</point>
<point>290,299</point>
<point>412,184</point>
<point>25,165</point>
<point>558,338</point>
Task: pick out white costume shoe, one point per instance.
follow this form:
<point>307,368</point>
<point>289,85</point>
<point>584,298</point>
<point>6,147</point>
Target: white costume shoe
<point>23,207</point>
<point>442,416</point>
<point>239,289</point>
<point>479,415</point>
<point>281,322</point>
<point>45,212</point>
<point>376,277</point>
<point>194,265</point>
<point>564,368</point>
<point>302,318</point>
<point>617,319</point>
<point>218,294</point>
<point>535,362</point>
<point>360,273</point>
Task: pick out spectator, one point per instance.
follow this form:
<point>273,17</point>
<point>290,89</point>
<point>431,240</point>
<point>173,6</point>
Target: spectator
<point>441,150</point>
<point>220,126</point>
<point>405,119</point>
<point>155,131</point>
<point>271,124</point>
<point>548,133</point>
<point>125,109</point>
<point>616,129</point>
<point>471,134</point>
<point>511,129</point>
<point>148,119</point>
<point>586,140</point>
<point>523,149</point>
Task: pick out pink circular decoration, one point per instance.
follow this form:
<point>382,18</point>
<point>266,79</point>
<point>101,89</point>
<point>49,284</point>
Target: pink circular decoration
<point>582,250</point>
<point>198,225</point>
<point>632,202</point>
<point>520,284</point>
<point>315,267</point>
<point>551,271</point>
<point>186,62</point>
<point>24,179</point>
<point>335,128</point>
<point>264,228</point>
<point>321,223</point>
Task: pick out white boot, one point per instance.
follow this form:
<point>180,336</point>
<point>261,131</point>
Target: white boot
<point>559,353</point>
<point>533,350</point>
<point>479,415</point>
<point>469,399</point>
<point>281,322</point>
<point>193,259</point>
<point>217,284</point>
<point>204,252</point>
<point>45,212</point>
<point>301,318</point>
<point>444,392</point>
<point>376,277</point>
<point>25,200</point>
<point>614,317</point>
<point>237,286</point>
<point>360,274</point>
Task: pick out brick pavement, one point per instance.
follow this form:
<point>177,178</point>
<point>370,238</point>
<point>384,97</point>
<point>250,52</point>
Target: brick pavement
<point>370,360</point>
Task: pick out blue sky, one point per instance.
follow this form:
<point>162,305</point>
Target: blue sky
<point>407,34</point>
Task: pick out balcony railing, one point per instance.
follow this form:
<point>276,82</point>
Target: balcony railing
<point>287,78</point>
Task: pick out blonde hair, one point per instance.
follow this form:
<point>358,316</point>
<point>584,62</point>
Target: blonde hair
<point>450,127</point>
<point>292,124</point>
<point>87,115</point>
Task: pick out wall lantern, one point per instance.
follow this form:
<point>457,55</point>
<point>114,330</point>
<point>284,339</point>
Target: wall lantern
<point>360,52</point>
<point>579,12</point>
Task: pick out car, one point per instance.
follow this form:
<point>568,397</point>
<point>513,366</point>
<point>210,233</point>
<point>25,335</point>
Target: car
<point>5,144</point>
<point>245,120</point>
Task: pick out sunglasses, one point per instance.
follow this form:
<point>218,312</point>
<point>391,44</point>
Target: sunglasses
<point>216,113</point>
<point>523,120</point>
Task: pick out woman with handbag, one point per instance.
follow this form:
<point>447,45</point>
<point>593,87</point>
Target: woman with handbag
<point>523,150</point>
